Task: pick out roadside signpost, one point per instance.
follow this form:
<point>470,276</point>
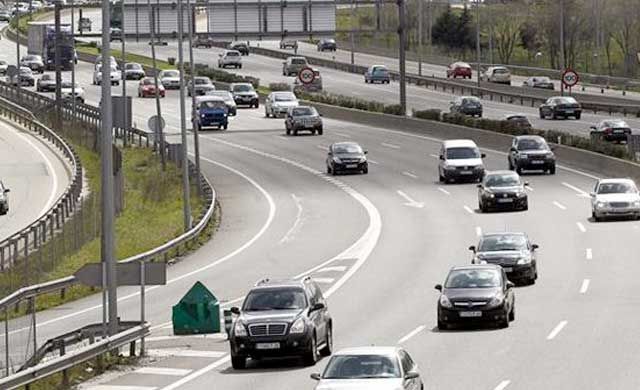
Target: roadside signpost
<point>569,79</point>
<point>306,75</point>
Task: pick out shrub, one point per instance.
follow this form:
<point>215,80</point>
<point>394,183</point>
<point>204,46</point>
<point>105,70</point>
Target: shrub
<point>279,87</point>
<point>394,109</point>
<point>431,114</point>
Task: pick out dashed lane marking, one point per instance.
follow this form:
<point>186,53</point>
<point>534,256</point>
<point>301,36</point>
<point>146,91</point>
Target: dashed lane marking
<point>585,286</point>
<point>388,145</point>
<point>589,254</point>
<point>468,209</point>
<point>444,191</point>
<point>112,387</point>
<point>165,352</point>
<point>581,227</point>
<point>196,374</point>
<point>409,174</point>
<point>478,231</point>
<point>556,330</point>
<point>163,371</point>
<point>576,189</point>
<point>503,385</point>
<point>559,205</point>
<point>411,334</point>
<point>343,135</point>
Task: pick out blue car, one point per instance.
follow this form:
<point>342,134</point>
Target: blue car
<point>377,74</point>
<point>212,112</point>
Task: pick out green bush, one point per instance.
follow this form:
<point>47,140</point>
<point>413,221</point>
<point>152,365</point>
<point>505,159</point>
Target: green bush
<point>430,114</point>
<point>226,77</point>
<point>394,109</point>
<point>350,102</point>
<point>279,87</point>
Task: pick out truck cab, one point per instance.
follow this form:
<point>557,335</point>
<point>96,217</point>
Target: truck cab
<point>212,112</point>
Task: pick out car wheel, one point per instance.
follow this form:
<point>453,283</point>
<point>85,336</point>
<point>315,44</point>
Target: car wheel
<point>552,170</point>
<point>442,325</point>
<point>238,362</point>
<point>295,132</point>
<point>311,356</point>
<point>328,170</point>
<point>504,323</point>
<point>225,126</point>
<point>266,113</point>
<point>512,313</point>
<point>518,170</point>
<point>441,178</point>
<point>328,346</point>
<point>483,208</point>
<point>526,206</point>
<point>541,115</point>
<point>365,170</point>
<point>511,167</point>
<point>578,116</point>
<point>320,131</point>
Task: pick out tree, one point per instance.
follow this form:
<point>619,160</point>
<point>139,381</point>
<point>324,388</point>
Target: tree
<point>453,32</point>
<point>507,35</point>
<point>530,39</point>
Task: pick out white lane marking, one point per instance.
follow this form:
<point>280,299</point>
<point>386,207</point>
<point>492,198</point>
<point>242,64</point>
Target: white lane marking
<point>323,147</point>
<point>556,330</point>
<point>410,201</point>
<point>342,134</point>
<point>214,336</point>
<point>581,227</point>
<point>388,145</point>
<point>478,231</point>
<point>576,189</point>
<point>409,174</point>
<point>335,268</point>
<point>372,162</point>
<point>411,334</point>
<point>589,254</point>
<point>296,224</point>
<point>196,374</point>
<point>54,175</point>
<point>163,371</point>
<point>529,188</point>
<point>166,352</point>
<point>116,387</point>
<point>503,385</point>
<point>585,286</point>
<point>468,209</point>
<point>559,205</point>
<point>225,258</point>
<point>444,191</point>
<point>434,155</point>
<point>324,280</point>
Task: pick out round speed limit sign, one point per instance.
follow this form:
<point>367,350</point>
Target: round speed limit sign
<point>570,78</point>
<point>306,75</point>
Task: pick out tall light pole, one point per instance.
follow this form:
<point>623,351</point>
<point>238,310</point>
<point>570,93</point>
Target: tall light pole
<point>73,66</point>
<point>420,16</point>
<point>562,59</point>
<point>124,77</point>
<point>158,132</point>
<point>107,237</point>
<point>17,76</point>
<point>402,33</point>
<point>478,40</point>
<point>194,113</point>
<point>183,125</point>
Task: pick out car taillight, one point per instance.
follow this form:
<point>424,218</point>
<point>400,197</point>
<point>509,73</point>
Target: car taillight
<point>608,130</point>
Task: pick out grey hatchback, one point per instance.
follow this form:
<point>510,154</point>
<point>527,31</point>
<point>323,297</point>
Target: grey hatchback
<point>303,118</point>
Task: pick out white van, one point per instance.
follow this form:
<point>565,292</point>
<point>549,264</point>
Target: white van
<point>460,160</point>
<point>497,74</point>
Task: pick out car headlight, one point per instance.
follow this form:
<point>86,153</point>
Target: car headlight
<point>521,194</point>
<point>336,160</point>
<point>550,155</point>
<point>298,326</point>
<point>449,167</point>
<point>636,203</point>
<point>445,302</point>
<point>239,329</point>
<point>601,204</point>
<point>224,115</point>
<point>497,300</point>
<point>524,156</point>
<point>364,159</point>
<point>524,260</point>
<point>202,115</point>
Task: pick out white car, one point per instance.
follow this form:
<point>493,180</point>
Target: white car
<point>68,93</point>
<point>111,59</point>
<point>230,58</point>
<point>115,75</point>
<point>460,159</point>
<point>370,368</point>
<point>497,74</point>
<point>615,198</point>
<point>3,67</point>
<point>170,79</point>
<point>278,103</point>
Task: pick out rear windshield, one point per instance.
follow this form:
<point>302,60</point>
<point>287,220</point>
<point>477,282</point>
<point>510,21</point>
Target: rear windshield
<point>201,81</point>
<point>284,97</point>
<point>232,54</point>
<point>501,71</point>
<point>532,144</point>
<point>171,73</point>
<point>299,61</point>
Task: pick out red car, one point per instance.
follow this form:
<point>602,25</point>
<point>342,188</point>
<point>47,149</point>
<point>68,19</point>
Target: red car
<point>147,88</point>
<point>459,69</point>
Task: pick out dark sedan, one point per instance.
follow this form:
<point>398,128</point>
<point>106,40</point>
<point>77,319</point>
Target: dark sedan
<point>327,44</point>
<point>203,85</point>
<point>512,251</point>
<point>612,130</point>
<point>33,62</point>
<point>476,293</point>
<point>203,41</point>
<point>466,105</point>
<point>560,107</point>
<point>303,118</point>
<point>242,47</point>
<point>346,157</point>
<point>502,190</point>
<point>24,77</point>
<point>519,121</point>
<point>531,152</point>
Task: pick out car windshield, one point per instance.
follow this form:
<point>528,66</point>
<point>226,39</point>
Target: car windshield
<point>299,61</point>
<point>470,101</point>
<point>232,54</point>
<point>507,180</point>
<point>617,188</point>
<point>67,84</point>
<point>347,148</point>
<point>462,153</point>
<point>202,81</point>
<point>303,111</point>
<point>380,70</point>
<point>148,81</point>
<point>133,66</point>
<point>171,73</point>
<point>242,88</point>
<point>542,80</point>
<point>275,299</point>
<point>532,144</point>
<point>30,58</point>
<point>212,104</point>
<point>566,100</point>
<point>461,65</point>
<point>503,242</point>
<point>361,367</point>
<point>616,124</point>
<point>284,97</point>
<point>473,278</point>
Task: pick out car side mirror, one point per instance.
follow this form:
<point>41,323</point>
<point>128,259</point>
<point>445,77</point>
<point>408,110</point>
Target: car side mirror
<point>513,149</point>
<point>315,376</point>
<point>6,190</point>
<point>441,157</point>
<point>411,375</point>
<point>317,306</point>
<point>330,153</point>
<point>510,285</point>
<point>472,248</point>
<point>592,127</point>
<point>526,183</point>
<point>479,185</point>
<point>552,148</point>
<point>366,152</point>
<point>235,310</point>
<point>483,155</point>
<point>535,246</point>
<point>438,287</point>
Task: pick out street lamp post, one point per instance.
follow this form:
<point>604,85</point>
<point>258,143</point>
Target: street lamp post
<point>478,41</point>
<point>402,17</point>
<point>186,209</point>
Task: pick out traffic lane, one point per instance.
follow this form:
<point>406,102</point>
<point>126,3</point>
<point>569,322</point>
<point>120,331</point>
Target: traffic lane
<point>34,172</point>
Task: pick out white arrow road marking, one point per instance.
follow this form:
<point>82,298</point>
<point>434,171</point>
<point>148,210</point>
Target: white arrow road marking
<point>411,334</point>
<point>335,268</point>
<point>589,254</point>
<point>556,330</point>
<point>410,201</point>
<point>585,286</point>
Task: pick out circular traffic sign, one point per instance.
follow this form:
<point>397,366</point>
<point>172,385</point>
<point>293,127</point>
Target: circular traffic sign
<point>570,77</point>
<point>306,75</point>
<point>12,70</point>
<point>156,125</point>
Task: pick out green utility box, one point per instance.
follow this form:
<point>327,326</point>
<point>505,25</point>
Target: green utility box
<point>197,312</point>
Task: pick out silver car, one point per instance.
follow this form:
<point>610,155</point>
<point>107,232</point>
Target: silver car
<point>303,118</point>
<point>370,368</point>
<point>4,199</point>
<point>230,58</point>
<point>615,198</point>
<point>228,99</point>
<point>170,79</point>
<point>279,103</point>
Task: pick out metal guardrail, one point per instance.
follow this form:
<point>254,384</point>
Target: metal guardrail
<point>73,358</point>
<point>44,228</point>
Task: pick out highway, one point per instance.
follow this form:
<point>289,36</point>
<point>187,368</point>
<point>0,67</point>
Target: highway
<point>378,257</point>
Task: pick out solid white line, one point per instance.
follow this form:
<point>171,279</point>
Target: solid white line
<point>116,387</point>
<point>335,268</point>
<point>296,224</point>
<point>392,146</point>
<point>581,227</point>
<point>166,352</point>
<point>576,189</point>
<point>585,286</point>
<point>372,162</point>
<point>323,280</point>
<point>411,334</point>
<point>468,209</point>
<point>342,135</point>
<point>409,174</point>
<point>478,231</point>
<point>163,371</point>
<point>444,191</point>
<point>559,205</point>
<point>199,373</point>
<point>556,330</point>
<point>503,385</point>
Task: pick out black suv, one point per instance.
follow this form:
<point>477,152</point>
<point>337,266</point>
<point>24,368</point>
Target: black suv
<point>281,318</point>
<point>531,152</point>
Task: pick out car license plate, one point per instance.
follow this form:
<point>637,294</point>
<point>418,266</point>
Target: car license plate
<point>351,165</point>
<point>506,200</point>
<point>507,269</point>
<point>569,111</point>
<point>268,346</point>
<point>466,172</point>
<point>470,314</point>
<point>618,131</point>
<point>537,162</point>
